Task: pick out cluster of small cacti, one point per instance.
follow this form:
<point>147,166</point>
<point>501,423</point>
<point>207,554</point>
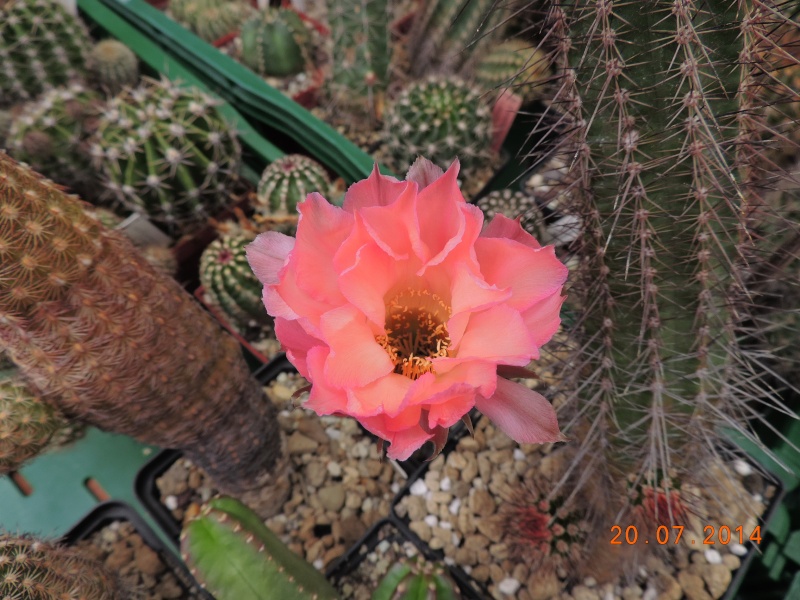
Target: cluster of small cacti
<point>211,19</point>
<point>52,135</point>
<point>286,182</point>
<point>657,500</point>
<point>230,283</point>
<point>514,64</point>
<point>275,42</point>
<point>236,557</point>
<point>360,55</point>
<point>167,152</point>
<point>416,579</point>
<point>33,569</point>
<point>113,66</point>
<point>441,120</point>
<point>42,46</point>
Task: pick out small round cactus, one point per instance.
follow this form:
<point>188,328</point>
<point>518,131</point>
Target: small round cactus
<point>42,46</point>
<point>229,281</point>
<point>52,136</point>
<point>441,120</point>
<point>287,181</point>
<point>513,204</point>
<point>113,65</point>
<point>166,151</point>
<point>514,64</point>
<point>416,579</point>
<point>211,19</point>
<point>275,42</point>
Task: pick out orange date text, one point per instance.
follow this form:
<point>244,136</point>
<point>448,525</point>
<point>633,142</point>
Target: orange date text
<point>723,535</point>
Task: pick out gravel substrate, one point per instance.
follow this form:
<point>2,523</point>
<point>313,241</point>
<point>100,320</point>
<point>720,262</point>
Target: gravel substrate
<point>123,551</point>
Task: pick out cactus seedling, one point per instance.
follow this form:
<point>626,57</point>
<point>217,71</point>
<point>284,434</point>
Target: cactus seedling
<point>275,42</point>
<point>236,557</point>
<point>416,580</point>
<point>113,65</point>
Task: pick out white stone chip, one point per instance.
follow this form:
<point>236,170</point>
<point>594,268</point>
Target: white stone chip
<point>742,468</point>
<point>171,502</point>
<point>418,488</point>
<point>713,557</point>
<point>445,484</point>
<point>319,564</point>
<point>519,454</point>
<point>454,506</point>
<point>508,586</point>
<point>432,520</point>
<point>738,549</point>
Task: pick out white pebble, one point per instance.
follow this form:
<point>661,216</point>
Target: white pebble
<point>454,506</point>
<point>467,569</point>
<point>171,502</point>
<point>590,582</point>
<point>445,484</point>
<point>519,454</point>
<point>738,549</point>
<point>319,564</point>
<point>395,487</point>
<point>508,586</point>
<point>713,557</point>
<point>650,593</point>
<point>335,469</point>
<point>431,521</point>
<point>333,433</point>
<point>418,488</point>
<point>383,546</point>
<point>446,525</point>
<point>742,468</point>
<point>449,561</point>
<point>758,497</point>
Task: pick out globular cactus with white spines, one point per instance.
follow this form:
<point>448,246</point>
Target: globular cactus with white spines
<point>441,119</point>
<point>33,569</point>
<point>211,19</point>
<point>513,204</point>
<point>286,182</point>
<point>275,42</point>
<point>416,578</point>
<point>42,46</point>
<point>235,556</point>
<point>516,65</point>
<point>663,125</point>
<point>53,136</point>
<point>113,66</point>
<point>230,283</point>
<point>166,151</point>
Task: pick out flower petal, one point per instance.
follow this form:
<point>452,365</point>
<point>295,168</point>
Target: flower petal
<point>497,334</point>
<point>469,292</point>
<point>448,407</point>
<point>382,395</point>
<point>296,342</point>
<point>375,190</point>
<point>543,318</point>
<point>267,254</point>
<point>395,229</point>
<point>502,227</point>
<point>424,172</point>
<point>323,399</point>
<point>524,415</point>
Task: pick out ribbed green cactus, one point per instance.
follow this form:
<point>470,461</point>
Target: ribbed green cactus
<point>32,569</point>
<point>513,204</point>
<point>414,579</point>
<point>52,136</point>
<point>448,34</point>
<point>109,341</point>
<point>167,152</point>
<point>229,281</point>
<point>236,557</point>
<point>275,42</point>
<point>360,55</point>
<point>440,119</point>
<point>663,103</point>
<point>42,46</point>
<point>516,65</point>
<point>113,66</point>
<point>27,424</point>
<point>287,181</point>
<point>211,19</point>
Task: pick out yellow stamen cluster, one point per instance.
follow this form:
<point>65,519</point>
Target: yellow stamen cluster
<point>415,332</point>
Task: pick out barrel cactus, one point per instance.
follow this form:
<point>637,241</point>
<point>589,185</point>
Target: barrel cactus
<point>42,46</point>
<point>113,66</point>
<point>236,557</point>
<point>211,20</point>
<point>229,282</point>
<point>167,152</point>
<point>514,204</point>
<point>275,42</point>
<point>416,578</point>
<point>516,65</point>
<point>52,135</point>
<point>440,119</point>
<point>287,181</point>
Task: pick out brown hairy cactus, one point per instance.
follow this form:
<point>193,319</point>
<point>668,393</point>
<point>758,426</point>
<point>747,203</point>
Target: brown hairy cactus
<point>109,340</point>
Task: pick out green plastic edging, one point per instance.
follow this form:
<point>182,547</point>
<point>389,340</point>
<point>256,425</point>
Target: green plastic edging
<point>158,60</point>
<point>244,89</point>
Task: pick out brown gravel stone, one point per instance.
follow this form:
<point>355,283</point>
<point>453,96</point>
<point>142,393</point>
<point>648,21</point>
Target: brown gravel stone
<point>482,503</point>
<point>717,578</point>
<point>692,586</point>
<point>148,561</point>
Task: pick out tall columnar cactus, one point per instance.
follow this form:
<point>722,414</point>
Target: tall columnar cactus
<point>113,66</point>
<point>42,46</point>
<point>517,65</point>
<point>167,152</point>
<point>448,34</point>
<point>663,104</point>
<point>360,55</point>
<point>440,119</point>
<point>52,136</point>
<point>416,579</point>
<point>275,42</point>
<point>287,181</point>
<point>111,342</point>
<point>229,282</point>
<point>38,570</point>
<point>236,557</point>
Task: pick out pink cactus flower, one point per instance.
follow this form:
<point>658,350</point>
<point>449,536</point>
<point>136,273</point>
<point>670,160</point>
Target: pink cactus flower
<point>403,311</point>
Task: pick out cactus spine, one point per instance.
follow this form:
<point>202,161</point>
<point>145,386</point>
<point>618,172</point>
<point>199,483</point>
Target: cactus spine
<point>516,65</point>
<point>108,340</point>
<point>286,182</point>
<point>416,579</point>
<point>113,65</point>
<point>42,46</point>
<point>230,283</point>
<point>441,120</point>
<point>236,557</point>
<point>167,152</point>
<point>37,570</point>
<point>275,43</point>
<point>360,55</point>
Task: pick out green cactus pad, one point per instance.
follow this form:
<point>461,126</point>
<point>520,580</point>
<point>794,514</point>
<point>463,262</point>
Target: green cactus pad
<point>275,43</point>
<point>286,182</point>
<point>113,65</point>
<point>236,557</point>
<point>416,580</point>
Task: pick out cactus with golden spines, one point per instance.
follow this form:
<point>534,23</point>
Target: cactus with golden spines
<point>113,66</point>
<point>106,339</point>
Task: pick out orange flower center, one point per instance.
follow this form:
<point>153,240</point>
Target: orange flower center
<point>415,332</point>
